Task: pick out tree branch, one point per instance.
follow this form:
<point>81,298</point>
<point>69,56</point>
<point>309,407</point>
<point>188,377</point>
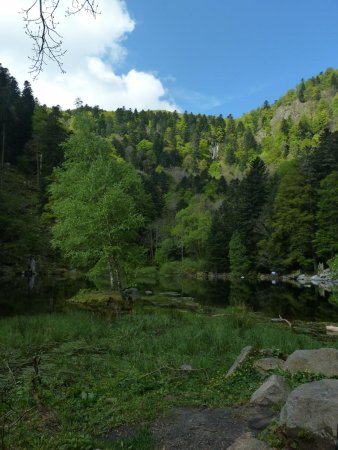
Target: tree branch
<point>41,27</point>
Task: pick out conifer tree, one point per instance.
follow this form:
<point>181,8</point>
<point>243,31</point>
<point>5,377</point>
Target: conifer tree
<point>292,223</point>
<point>326,239</point>
<point>238,259</point>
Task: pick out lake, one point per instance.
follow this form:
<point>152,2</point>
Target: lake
<point>47,295</point>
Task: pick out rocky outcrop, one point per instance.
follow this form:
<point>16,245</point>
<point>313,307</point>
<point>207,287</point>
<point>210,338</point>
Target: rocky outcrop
<point>323,279</point>
<point>246,351</point>
<point>265,364</point>
<point>323,361</point>
<point>273,391</point>
<point>313,407</point>
<point>248,442</point>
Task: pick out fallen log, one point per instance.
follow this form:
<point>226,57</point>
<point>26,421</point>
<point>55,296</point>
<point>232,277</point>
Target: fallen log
<point>280,319</point>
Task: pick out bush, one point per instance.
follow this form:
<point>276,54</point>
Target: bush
<point>333,265</point>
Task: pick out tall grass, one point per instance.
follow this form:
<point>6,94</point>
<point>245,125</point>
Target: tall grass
<point>96,374</point>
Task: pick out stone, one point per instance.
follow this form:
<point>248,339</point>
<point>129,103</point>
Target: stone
<point>186,368</point>
<point>248,442</point>
<point>323,361</point>
<point>246,351</point>
<point>265,364</point>
<point>131,294</point>
<point>273,391</point>
<point>313,407</point>
<point>259,417</point>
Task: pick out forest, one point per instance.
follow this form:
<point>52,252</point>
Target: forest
<point>113,192</point>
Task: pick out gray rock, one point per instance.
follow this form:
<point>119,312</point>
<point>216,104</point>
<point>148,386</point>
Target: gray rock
<point>248,442</point>
<point>131,294</point>
<point>274,390</point>
<point>259,417</point>
<point>186,368</point>
<point>322,361</point>
<point>240,359</point>
<point>265,364</point>
<point>313,407</point>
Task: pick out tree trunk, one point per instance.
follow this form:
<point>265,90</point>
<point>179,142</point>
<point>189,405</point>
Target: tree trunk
<point>111,276</point>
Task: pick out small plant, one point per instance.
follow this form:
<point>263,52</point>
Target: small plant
<point>333,266</point>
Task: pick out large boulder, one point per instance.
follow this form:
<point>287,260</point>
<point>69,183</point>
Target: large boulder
<point>265,364</point>
<point>248,442</point>
<point>322,361</point>
<point>273,391</point>
<point>313,407</point>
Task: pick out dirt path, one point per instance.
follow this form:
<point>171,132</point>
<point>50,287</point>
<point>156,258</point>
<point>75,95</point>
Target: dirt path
<point>203,428</point>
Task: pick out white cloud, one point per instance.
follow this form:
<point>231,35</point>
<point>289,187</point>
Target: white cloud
<point>94,50</point>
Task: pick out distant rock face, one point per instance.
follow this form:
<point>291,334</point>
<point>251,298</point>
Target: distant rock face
<point>265,364</point>
<point>322,361</point>
<point>248,442</point>
<point>274,390</point>
<point>313,407</point>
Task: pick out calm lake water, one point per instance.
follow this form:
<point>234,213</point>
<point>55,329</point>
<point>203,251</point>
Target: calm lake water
<point>27,296</point>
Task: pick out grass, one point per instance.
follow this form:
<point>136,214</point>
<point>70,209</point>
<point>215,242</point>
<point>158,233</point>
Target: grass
<point>66,380</point>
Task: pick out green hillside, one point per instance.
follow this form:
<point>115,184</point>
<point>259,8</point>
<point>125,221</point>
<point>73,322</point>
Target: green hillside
<point>255,193</point>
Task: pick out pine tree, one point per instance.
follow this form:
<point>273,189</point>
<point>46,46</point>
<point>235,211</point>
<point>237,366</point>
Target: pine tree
<point>326,239</point>
<point>292,223</point>
<point>252,196</point>
<point>239,261</point>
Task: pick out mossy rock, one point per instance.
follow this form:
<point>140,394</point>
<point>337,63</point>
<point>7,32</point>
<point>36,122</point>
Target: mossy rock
<point>100,301</point>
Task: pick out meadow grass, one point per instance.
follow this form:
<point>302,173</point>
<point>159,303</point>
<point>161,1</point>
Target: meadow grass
<point>66,380</point>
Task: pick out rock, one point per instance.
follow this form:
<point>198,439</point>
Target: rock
<point>322,361</point>
<point>265,364</point>
<point>313,407</point>
<point>261,418</point>
<point>267,352</point>
<point>274,390</point>
<point>148,292</point>
<point>240,359</point>
<point>248,442</point>
<point>131,294</point>
<point>186,368</point>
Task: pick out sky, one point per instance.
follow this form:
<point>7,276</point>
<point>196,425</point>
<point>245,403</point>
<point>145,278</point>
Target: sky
<point>201,56</point>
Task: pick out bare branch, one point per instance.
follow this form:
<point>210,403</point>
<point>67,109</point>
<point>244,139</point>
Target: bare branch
<point>280,319</point>
<point>41,26</point>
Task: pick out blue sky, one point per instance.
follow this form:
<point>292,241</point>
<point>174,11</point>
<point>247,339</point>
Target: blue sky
<point>228,56</point>
<point>203,56</point>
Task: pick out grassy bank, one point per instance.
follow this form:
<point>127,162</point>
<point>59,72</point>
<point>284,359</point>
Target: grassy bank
<point>68,379</point>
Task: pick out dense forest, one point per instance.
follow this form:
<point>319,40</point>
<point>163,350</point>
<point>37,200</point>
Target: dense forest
<point>110,192</point>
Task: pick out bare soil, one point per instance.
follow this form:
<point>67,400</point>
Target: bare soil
<point>203,428</point>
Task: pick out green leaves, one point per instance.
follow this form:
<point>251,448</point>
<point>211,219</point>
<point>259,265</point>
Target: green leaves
<point>96,200</point>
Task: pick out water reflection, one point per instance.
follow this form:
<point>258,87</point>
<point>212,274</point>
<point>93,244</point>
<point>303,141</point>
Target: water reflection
<point>35,295</point>
<point>31,295</point>
<point>292,302</point>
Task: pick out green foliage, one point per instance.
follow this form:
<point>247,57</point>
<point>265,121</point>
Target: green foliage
<point>333,265</point>
<point>96,200</point>
<point>204,176</point>
<point>326,242</point>
<point>292,222</point>
<point>192,226</point>
<point>239,261</point>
